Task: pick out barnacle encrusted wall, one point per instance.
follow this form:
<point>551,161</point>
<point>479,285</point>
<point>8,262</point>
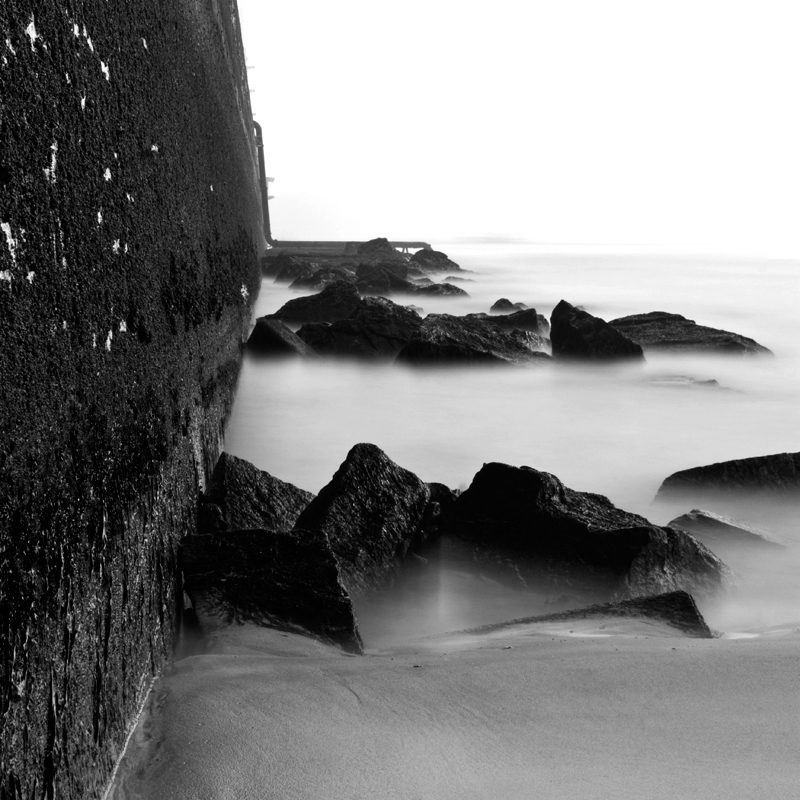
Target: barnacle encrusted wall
<point>129,237</point>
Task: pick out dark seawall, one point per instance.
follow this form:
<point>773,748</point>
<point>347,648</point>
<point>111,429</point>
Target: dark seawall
<point>128,264</point>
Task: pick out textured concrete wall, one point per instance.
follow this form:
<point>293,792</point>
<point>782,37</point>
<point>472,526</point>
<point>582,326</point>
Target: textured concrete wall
<point>129,216</point>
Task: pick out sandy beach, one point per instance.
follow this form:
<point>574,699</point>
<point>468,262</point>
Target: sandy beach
<point>600,708</point>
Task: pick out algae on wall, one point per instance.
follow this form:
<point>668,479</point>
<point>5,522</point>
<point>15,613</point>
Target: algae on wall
<point>130,220</point>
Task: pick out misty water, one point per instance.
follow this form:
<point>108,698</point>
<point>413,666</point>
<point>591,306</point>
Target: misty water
<point>617,430</point>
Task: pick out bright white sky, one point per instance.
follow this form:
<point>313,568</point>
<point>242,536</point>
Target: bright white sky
<point>558,121</point>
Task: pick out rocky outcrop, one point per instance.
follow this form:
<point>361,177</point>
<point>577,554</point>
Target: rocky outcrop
<point>505,306</point>
<point>527,320</point>
<point>432,261</point>
<point>717,530</point>
<point>337,301</point>
<point>379,280</point>
<point>248,497</point>
<point>285,268</point>
<point>283,579</point>
<point>271,337</point>
<point>441,290</point>
<point>446,339</point>
<point>776,475</point>
<point>579,335</point>
<point>378,328</point>
<point>661,331</point>
<point>532,513</point>
<point>677,609</point>
<point>379,248</point>
<point>323,277</point>
<point>371,512</point>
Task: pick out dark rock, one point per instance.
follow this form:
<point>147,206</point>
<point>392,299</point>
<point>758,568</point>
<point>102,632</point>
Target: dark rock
<point>378,328</point>
<point>251,498</point>
<point>533,514</point>
<point>379,247</point>
<point>715,530</point>
<point>443,338</point>
<point>527,320</point>
<point>285,268</point>
<point>675,608</point>
<point>210,518</point>
<point>282,579</point>
<point>337,301</point>
<point>659,330</point>
<point>399,269</point>
<point>434,261</point>
<point>381,281</point>
<point>777,475</point>
<point>442,290</point>
<point>504,305</point>
<point>578,334</point>
<point>437,514</point>
<point>323,277</point>
<point>271,337</point>
<point>372,512</point>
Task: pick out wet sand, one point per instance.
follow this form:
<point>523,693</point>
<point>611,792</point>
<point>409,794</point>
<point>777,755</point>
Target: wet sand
<point>601,708</point>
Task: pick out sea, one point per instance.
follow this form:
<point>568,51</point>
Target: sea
<point>614,429</point>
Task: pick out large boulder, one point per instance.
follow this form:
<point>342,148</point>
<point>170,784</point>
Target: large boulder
<point>287,266</point>
<point>379,280</point>
<point>251,498</point>
<point>659,330</point>
<point>336,301</point>
<point>531,513</point>
<point>577,334</point>
<point>284,579</point>
<point>271,337</point>
<point>718,531</point>
<point>372,511</point>
<point>431,261</point>
<point>379,248</point>
<point>446,339</point>
<point>378,328</point>
<point>776,475</point>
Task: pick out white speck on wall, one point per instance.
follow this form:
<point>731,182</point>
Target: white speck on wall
<point>123,327</point>
<point>116,157</point>
<point>50,172</point>
<point>100,217</point>
<point>130,199</point>
<point>64,324</point>
<point>107,174</point>
<point>105,70</point>
<point>30,32</point>
<point>66,75</point>
<point>89,42</point>
<point>85,34</point>
<point>76,29</point>
<point>153,148</point>
<point>83,102</point>
<point>245,293</point>
<point>144,43</point>
<point>94,340</point>
<point>126,248</point>
<point>10,47</point>
<point>211,187</point>
<point>10,241</point>
<point>108,340</point>
<point>30,276</point>
<point>115,247</point>
<point>5,61</point>
<point>5,275</point>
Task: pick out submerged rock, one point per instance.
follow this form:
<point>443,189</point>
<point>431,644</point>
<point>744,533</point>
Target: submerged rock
<point>378,328</point>
<point>777,475</point>
<point>271,337</point>
<point>505,306</point>
<point>443,338</point>
<point>336,301</point>
<point>430,261</point>
<point>251,498</point>
<point>372,511</point>
<point>715,530</point>
<point>532,513</point>
<point>659,330</point>
<point>577,334</point>
<point>441,290</point>
<point>284,579</point>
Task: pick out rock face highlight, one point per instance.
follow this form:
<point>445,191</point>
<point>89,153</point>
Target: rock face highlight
<point>432,261</point>
<point>533,513</point>
<point>579,335</point>
<point>251,498</point>
<point>717,530</point>
<point>661,331</point>
<point>371,512</point>
<point>271,337</point>
<point>283,579</point>
<point>122,311</point>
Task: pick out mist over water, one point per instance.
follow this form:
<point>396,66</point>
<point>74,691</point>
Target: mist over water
<point>617,430</point>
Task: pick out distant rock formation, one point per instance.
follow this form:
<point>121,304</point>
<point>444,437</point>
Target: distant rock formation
<point>505,306</point>
<point>447,339</point>
<point>532,513</point>
<point>577,334</point>
<point>717,530</point>
<point>371,512</point>
<point>379,247</point>
<point>336,301</point>
<point>661,331</point>
<point>283,579</point>
<point>248,497</point>
<point>431,261</point>
<point>271,337</point>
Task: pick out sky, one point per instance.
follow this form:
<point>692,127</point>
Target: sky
<point>565,121</point>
